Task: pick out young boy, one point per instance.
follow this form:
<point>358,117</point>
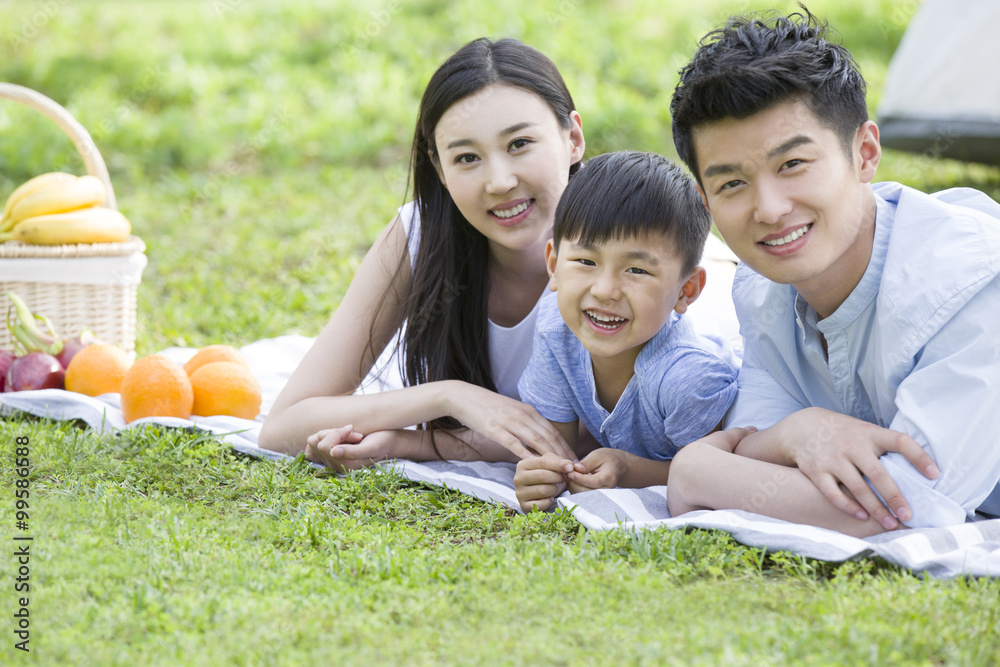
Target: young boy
<point>869,313</point>
<point>611,346</point>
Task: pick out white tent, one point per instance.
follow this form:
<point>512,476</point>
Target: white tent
<point>942,90</point>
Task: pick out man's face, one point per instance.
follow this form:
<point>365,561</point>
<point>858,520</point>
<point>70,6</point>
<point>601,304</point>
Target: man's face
<point>789,201</point>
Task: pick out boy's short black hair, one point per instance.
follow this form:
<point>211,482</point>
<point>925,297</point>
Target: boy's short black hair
<point>754,63</point>
<point>630,194</point>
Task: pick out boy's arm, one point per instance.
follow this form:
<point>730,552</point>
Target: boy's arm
<point>607,468</point>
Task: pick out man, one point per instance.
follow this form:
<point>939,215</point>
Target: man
<point>869,313</point>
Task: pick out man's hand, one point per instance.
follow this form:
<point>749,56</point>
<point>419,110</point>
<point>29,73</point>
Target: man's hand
<point>836,452</point>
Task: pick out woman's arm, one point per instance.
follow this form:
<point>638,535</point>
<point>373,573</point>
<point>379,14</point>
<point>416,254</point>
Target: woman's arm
<point>319,394</point>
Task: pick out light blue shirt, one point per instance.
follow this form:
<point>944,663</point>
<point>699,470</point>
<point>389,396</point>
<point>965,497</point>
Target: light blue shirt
<point>683,383</point>
<point>914,348</point>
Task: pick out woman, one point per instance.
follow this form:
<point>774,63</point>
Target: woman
<point>462,265</point>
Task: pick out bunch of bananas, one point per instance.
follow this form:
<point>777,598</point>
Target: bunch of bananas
<point>59,208</point>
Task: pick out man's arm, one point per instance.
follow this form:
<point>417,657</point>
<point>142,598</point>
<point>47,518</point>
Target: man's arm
<point>706,477</point>
<point>829,448</point>
<point>837,453</point>
<point>947,407</point>
<point>950,404</point>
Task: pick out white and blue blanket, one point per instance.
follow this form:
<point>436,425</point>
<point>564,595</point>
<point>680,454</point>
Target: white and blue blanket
<point>968,549</point>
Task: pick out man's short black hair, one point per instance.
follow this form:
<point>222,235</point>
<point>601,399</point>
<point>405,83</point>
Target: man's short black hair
<point>754,63</point>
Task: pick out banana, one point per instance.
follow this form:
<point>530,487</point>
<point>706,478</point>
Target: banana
<point>59,198</point>
<point>30,186</point>
<point>89,225</point>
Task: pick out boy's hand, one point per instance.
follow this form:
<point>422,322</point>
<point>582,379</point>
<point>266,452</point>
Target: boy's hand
<point>836,450</point>
<point>603,468</point>
<point>539,479</point>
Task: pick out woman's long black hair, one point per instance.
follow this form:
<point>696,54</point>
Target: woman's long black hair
<point>446,308</point>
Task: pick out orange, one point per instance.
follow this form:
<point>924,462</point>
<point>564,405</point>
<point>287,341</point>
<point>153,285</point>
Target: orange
<point>211,353</point>
<point>97,369</point>
<point>156,386</point>
<point>225,388</point>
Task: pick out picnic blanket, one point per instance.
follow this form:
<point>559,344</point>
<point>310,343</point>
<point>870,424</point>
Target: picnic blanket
<point>968,549</point>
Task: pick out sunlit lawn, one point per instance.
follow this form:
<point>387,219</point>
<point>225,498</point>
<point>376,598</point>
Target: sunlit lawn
<point>258,149</point>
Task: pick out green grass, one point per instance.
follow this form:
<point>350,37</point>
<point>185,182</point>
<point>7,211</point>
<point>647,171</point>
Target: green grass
<point>258,149</point>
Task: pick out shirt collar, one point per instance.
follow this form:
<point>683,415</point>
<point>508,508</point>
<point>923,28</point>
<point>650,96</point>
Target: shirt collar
<point>867,288</point>
<point>651,350</point>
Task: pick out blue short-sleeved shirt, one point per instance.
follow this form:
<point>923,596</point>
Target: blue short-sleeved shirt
<point>682,386</point>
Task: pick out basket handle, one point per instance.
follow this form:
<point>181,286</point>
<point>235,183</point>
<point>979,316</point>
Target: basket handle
<point>85,145</point>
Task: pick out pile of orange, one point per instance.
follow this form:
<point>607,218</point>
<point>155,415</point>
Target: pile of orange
<point>156,386</point>
<point>97,369</point>
<point>215,381</point>
<point>222,383</point>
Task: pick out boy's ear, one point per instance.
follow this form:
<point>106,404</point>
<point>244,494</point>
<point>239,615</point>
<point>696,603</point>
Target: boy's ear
<point>869,151</point>
<point>550,263</point>
<point>691,289</point>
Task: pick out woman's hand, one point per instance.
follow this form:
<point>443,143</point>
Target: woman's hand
<point>343,449</point>
<point>514,425</point>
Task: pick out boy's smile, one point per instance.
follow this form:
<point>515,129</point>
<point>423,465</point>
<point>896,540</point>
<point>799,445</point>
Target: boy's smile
<point>788,200</point>
<point>616,295</point>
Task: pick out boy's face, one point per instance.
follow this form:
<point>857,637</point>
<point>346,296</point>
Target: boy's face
<point>788,200</point>
<point>616,296</point>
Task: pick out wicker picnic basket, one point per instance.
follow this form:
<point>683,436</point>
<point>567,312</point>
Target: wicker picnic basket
<point>82,286</point>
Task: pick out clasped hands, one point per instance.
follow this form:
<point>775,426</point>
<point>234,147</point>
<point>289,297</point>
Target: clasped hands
<point>539,479</point>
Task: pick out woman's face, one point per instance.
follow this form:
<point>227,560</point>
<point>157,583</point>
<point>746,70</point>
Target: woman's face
<point>505,160</point>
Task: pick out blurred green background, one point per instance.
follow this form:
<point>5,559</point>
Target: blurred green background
<point>259,147</point>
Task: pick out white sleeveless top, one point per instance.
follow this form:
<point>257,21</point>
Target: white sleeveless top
<point>510,347</point>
